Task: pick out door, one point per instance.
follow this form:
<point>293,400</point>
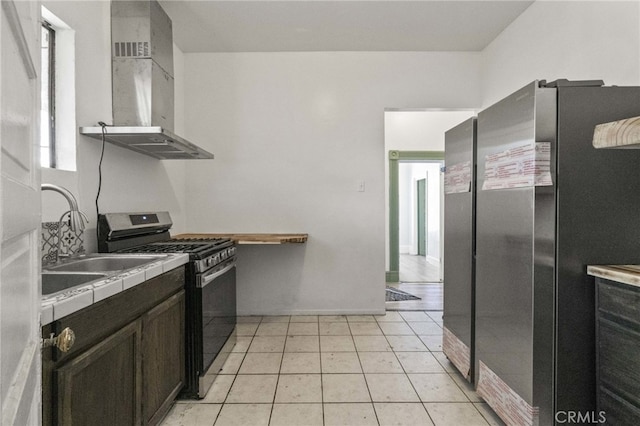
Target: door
<point>421,205</point>
<point>459,239</point>
<point>19,213</point>
<point>515,257</point>
<point>163,354</point>
<point>114,364</point>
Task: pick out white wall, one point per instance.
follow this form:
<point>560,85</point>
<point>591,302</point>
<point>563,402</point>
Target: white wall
<point>293,134</point>
<point>407,176</point>
<point>130,181</point>
<point>577,40</point>
<point>423,130</point>
<point>434,209</point>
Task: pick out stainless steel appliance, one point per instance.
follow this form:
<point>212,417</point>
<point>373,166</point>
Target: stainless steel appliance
<point>459,246</point>
<point>143,84</point>
<point>548,204</point>
<point>210,287</point>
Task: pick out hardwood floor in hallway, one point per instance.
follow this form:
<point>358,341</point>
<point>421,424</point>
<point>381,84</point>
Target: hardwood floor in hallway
<point>417,269</point>
<point>430,294</point>
<point>422,279</point>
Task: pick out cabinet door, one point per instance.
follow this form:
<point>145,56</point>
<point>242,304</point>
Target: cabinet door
<point>163,356</point>
<point>102,386</point>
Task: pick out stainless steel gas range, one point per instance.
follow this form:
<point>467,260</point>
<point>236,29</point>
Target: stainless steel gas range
<point>210,287</point>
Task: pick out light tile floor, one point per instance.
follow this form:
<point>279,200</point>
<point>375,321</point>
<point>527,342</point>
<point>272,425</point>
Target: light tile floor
<point>337,370</point>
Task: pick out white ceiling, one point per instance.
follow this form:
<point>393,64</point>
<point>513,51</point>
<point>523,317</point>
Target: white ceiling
<point>339,25</point>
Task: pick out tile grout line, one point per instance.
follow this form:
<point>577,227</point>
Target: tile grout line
<point>412,385</point>
<point>275,391</point>
<point>407,374</point>
<point>321,374</point>
<point>451,374</point>
<point>235,376</point>
<point>375,413</point>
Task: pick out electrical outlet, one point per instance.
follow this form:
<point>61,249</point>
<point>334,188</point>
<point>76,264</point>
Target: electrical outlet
<point>361,186</point>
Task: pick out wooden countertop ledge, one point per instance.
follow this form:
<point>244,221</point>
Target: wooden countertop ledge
<point>618,134</point>
<point>626,274</point>
<point>252,238</point>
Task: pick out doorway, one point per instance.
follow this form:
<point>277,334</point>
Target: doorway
<point>415,228</point>
<point>415,136</point>
<point>406,169</point>
<point>419,219</point>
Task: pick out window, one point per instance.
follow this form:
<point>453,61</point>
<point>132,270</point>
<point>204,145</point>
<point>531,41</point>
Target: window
<point>58,128</point>
<point>47,98</point>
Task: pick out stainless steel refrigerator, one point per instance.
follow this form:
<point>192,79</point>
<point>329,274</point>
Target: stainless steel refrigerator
<point>548,204</point>
<point>459,245</point>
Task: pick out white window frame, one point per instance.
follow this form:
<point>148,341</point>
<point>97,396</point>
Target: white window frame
<point>64,93</point>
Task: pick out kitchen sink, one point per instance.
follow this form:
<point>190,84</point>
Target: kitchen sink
<point>55,282</point>
<point>104,263</point>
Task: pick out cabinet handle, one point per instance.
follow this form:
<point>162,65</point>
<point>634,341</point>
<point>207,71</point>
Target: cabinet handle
<point>64,341</point>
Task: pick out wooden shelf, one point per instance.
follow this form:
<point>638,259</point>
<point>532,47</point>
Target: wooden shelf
<point>627,274</point>
<point>252,238</point>
<point>618,134</point>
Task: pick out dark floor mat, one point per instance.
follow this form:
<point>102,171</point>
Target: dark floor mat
<point>395,295</point>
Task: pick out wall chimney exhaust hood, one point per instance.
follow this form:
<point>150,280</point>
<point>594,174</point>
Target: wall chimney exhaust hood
<point>142,84</point>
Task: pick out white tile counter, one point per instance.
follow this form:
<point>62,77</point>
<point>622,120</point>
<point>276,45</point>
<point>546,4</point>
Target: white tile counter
<point>58,305</point>
<point>627,274</point>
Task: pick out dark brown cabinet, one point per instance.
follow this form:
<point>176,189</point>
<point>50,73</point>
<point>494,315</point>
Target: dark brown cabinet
<point>162,351</point>
<point>100,386</point>
<point>618,343</point>
<point>127,363</point>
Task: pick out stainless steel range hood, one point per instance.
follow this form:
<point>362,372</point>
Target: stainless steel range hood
<point>142,84</point>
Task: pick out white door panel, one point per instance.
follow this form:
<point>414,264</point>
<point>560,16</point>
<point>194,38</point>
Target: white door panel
<point>19,214</point>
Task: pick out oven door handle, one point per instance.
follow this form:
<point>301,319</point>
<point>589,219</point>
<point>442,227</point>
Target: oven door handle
<point>206,280</point>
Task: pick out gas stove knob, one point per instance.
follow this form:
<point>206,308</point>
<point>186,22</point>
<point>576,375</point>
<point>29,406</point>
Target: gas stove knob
<point>232,251</point>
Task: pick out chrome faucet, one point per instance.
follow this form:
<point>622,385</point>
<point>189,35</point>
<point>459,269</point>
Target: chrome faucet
<point>77,219</point>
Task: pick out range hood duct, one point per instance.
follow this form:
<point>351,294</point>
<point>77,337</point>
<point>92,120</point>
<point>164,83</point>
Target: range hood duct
<point>142,84</point>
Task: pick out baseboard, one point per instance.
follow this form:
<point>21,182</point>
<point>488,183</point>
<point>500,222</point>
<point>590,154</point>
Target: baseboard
<point>392,276</point>
<point>317,312</point>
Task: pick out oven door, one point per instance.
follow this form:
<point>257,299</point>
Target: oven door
<point>217,290</point>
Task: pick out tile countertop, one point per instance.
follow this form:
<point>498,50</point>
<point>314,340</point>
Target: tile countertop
<point>58,305</point>
<point>627,274</point>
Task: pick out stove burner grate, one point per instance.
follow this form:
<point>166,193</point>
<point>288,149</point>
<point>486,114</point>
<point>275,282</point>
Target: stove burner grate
<point>198,248</point>
<point>165,248</point>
